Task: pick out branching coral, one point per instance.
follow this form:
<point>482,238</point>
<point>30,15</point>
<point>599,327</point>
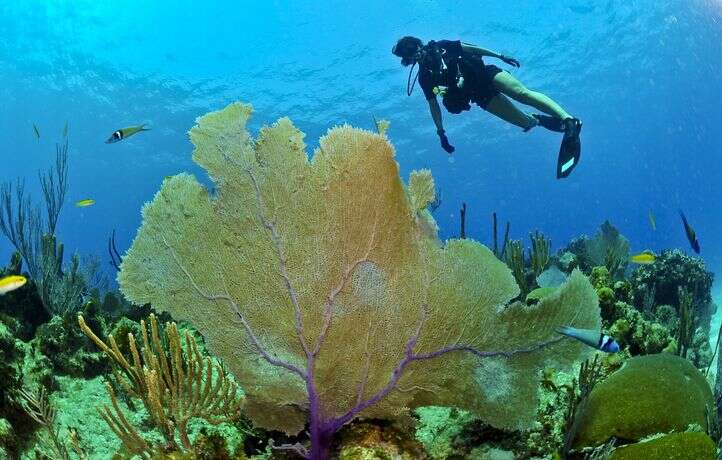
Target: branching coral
<point>514,257</point>
<point>685,330</point>
<point>175,386</point>
<point>38,407</point>
<point>20,217</point>
<point>325,297</point>
<point>59,287</point>
<point>539,252</point>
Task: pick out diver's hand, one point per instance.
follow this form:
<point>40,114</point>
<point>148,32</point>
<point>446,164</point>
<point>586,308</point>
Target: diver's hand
<point>445,141</point>
<point>510,60</point>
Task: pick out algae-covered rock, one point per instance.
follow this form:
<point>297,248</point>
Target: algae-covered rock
<point>648,395</point>
<point>70,352</point>
<point>674,446</point>
<point>439,427</point>
<point>378,441</point>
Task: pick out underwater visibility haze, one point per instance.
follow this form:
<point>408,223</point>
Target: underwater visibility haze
<point>228,231</point>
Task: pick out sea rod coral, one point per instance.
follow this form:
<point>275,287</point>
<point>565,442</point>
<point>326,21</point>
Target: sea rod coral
<point>314,281</point>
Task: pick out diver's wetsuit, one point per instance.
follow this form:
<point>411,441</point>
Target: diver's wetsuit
<point>465,76</point>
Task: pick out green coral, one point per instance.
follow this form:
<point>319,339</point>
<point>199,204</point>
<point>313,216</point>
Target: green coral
<point>547,436</point>
<point>674,446</point>
<point>650,394</point>
<point>600,277</point>
<point>667,315</point>
<point>662,280</point>
<point>438,428</point>
<point>607,301</point>
<point>324,254</point>
<point>68,349</point>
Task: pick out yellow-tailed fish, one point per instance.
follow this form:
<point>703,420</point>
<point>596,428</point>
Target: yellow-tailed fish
<point>85,203</point>
<point>10,283</point>
<point>652,220</point>
<point>65,130</point>
<point>643,258</point>
<point>122,133</point>
<point>36,131</point>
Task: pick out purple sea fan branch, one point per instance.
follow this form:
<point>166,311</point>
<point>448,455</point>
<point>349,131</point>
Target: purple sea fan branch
<point>254,338</point>
<point>278,245</point>
<point>394,379</point>
<point>331,299</point>
<point>410,356</point>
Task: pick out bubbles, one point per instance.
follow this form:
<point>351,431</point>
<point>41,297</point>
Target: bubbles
<point>451,160</point>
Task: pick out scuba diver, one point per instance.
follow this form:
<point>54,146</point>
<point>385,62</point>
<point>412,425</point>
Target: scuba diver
<point>456,72</point>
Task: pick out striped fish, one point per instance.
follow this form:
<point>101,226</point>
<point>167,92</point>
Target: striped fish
<point>594,339</point>
<point>122,133</point>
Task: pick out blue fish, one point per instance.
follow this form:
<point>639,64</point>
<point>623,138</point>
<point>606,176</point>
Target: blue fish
<point>689,231</point>
<point>594,339</point>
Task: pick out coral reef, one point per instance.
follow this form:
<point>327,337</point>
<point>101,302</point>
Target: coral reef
<point>631,311</point>
<point>69,351</point>
<point>660,284</point>
<point>297,254</point>
<point>297,268</point>
<point>648,395</point>
<point>608,249</point>
<point>173,388</point>
<point>439,429</point>
<point>22,307</point>
<point>377,440</point>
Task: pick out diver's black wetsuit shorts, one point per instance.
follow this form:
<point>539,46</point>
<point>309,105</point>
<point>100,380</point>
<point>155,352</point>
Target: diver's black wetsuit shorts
<point>484,90</point>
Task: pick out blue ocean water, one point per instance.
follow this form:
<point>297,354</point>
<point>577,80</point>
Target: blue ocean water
<point>643,75</point>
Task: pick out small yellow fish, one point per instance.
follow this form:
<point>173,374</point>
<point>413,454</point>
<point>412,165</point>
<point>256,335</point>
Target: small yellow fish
<point>36,131</point>
<point>85,203</point>
<point>652,220</point>
<point>10,283</point>
<point>644,258</point>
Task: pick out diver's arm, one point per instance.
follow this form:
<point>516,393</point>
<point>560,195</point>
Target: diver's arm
<point>481,52</point>
<point>436,115</point>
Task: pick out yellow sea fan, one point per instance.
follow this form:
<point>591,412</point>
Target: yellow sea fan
<point>325,266</point>
<point>382,126</point>
<point>421,189</point>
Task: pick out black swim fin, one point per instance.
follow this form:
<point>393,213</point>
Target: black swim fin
<point>571,148</point>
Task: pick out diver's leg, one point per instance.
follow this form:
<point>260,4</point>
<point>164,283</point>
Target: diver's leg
<point>503,108</point>
<point>507,84</point>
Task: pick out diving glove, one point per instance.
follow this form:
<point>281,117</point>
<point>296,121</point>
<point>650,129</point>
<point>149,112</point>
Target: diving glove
<point>445,141</point>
